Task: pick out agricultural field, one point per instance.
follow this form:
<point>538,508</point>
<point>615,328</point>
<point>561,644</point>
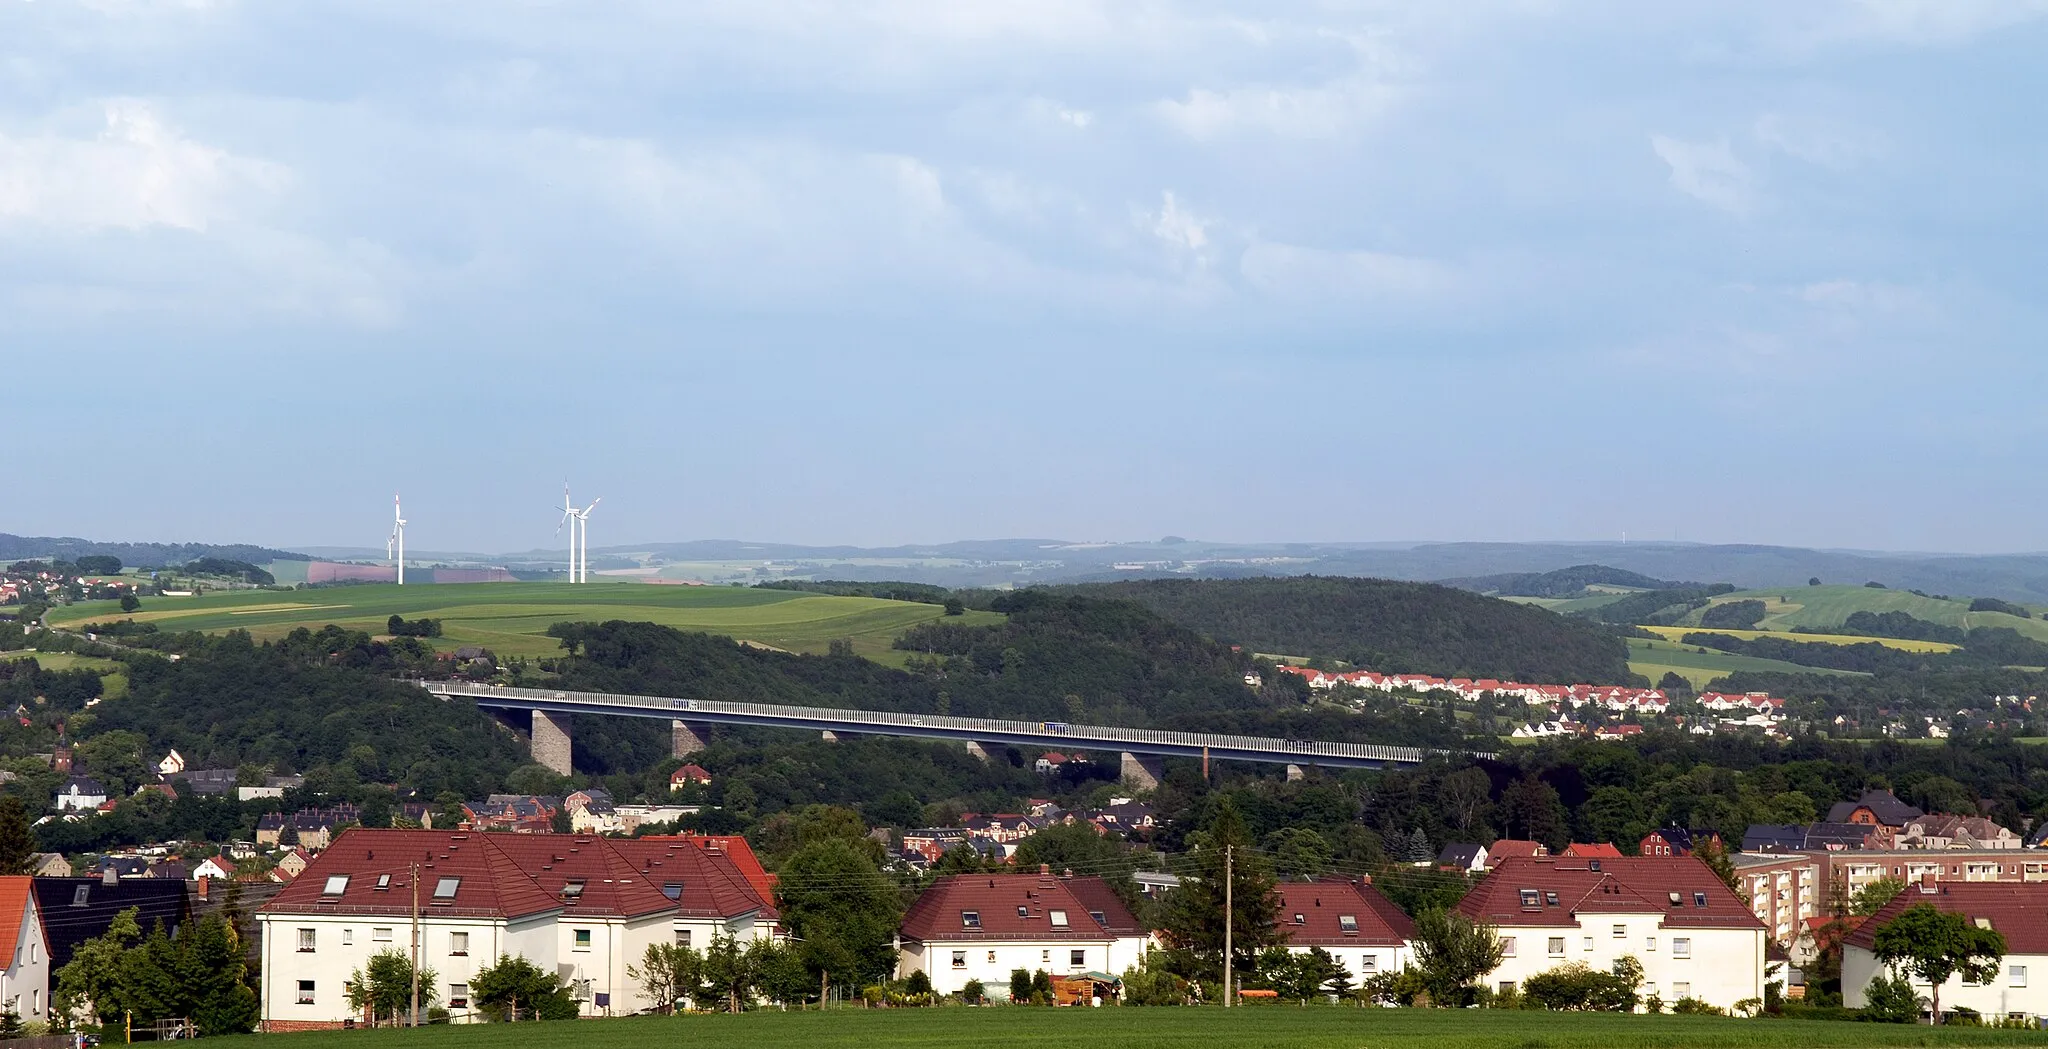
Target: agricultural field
<point>1826,607</point>
<point>113,680</point>
<point>1264,1027</point>
<point>1653,659</point>
<point>512,619</point>
<point>1675,632</point>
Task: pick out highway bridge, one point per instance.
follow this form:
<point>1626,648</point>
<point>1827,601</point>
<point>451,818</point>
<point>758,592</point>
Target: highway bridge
<point>1141,749</point>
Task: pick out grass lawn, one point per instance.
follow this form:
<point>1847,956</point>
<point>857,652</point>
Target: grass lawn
<point>1653,659</point>
<point>1263,1027</point>
<point>512,619</point>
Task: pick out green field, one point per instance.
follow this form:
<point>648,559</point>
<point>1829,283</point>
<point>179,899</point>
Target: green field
<point>113,680</point>
<point>1673,633</point>
<point>1826,607</point>
<point>512,619</point>
<point>1653,658</point>
<point>1263,1027</point>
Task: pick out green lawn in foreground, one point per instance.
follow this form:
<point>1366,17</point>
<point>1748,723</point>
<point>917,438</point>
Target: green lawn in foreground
<point>513,618</point>
<point>1264,1027</point>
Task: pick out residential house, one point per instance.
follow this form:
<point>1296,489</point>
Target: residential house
<point>292,864</point>
<point>1769,837</point>
<point>1836,837</point>
<point>1513,848</point>
<point>519,813</point>
<point>74,910</point>
<point>80,793</point>
<point>206,783</point>
<point>688,776</point>
<point>1351,921</point>
<point>1676,841</point>
<point>172,764</point>
<point>1876,808</point>
<point>50,865</point>
<point>1694,937</point>
<point>983,926</point>
<point>1949,831</point>
<point>1462,857</point>
<point>591,812</point>
<point>219,868</point>
<point>25,952</point>
<point>933,842</point>
<point>273,787</point>
<point>2011,910</point>
<point>1596,851</point>
<point>582,907</point>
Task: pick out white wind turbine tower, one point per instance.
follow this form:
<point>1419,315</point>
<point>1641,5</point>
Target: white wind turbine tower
<point>397,538</point>
<point>583,523</point>
<point>569,518</point>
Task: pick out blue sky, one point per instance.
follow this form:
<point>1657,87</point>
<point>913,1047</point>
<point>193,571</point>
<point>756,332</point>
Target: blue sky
<point>916,270</point>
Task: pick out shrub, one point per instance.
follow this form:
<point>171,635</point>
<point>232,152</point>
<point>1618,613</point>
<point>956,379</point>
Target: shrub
<point>919,983</point>
<point>1020,986</point>
<point>1694,1007</point>
<point>1576,988</point>
<point>973,992</point>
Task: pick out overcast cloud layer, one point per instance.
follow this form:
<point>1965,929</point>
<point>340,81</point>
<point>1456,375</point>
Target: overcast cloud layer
<point>911,271</point>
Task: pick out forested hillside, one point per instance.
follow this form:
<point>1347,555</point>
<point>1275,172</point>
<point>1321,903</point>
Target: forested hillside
<point>136,555</point>
<point>1386,625</point>
<point>1563,582</point>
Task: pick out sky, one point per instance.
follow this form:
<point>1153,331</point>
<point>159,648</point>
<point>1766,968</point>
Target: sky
<point>919,270</point>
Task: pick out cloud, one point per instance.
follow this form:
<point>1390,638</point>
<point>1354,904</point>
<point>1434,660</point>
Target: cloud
<point>1182,231</point>
<point>1816,142</point>
<point>1708,172</point>
<point>1299,274</point>
<point>137,173</point>
<point>1325,111</point>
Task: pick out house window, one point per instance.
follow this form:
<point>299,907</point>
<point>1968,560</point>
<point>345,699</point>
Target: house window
<point>1045,957</point>
<point>1507,987</point>
<point>381,935</point>
<point>1699,899</point>
<point>1649,943</point>
<point>583,939</point>
<point>682,937</point>
<point>445,888</point>
<point>1368,963</point>
<point>35,1001</point>
<point>1099,919</point>
<point>458,944</point>
<point>1300,918</point>
<point>991,957</point>
<point>673,890</point>
<point>383,883</point>
<point>1681,946</point>
<point>348,936</point>
<point>1621,932</point>
<point>1077,959</point>
<point>1059,919</point>
<point>1556,946</point>
<point>305,992</point>
<point>959,959</point>
<point>572,891</point>
<point>1589,943</point>
<point>1347,924</point>
<point>2017,975</point>
<point>458,996</point>
<point>1550,899</point>
<point>1507,946</point>
<point>1681,989</point>
<point>80,894</point>
<point>336,885</point>
<point>306,941</point>
<point>970,919</point>
<point>1023,912</point>
<point>1532,898</point>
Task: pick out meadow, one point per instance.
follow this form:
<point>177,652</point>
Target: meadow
<point>1259,1027</point>
<point>1653,659</point>
<point>113,680</point>
<point>1827,606</point>
<point>1673,633</point>
<point>511,619</point>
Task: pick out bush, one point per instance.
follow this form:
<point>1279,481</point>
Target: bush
<point>973,992</point>
<point>1694,1007</point>
<point>1146,985</point>
<point>1020,986</point>
<point>1890,999</point>
<point>919,983</point>
<point>1576,988</point>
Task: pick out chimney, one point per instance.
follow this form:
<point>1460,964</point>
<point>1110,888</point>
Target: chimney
<point>201,886</point>
<point>1927,882</point>
<point>1067,874</point>
<point>1045,868</point>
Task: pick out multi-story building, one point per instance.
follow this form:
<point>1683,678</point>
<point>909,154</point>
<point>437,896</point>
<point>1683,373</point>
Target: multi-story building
<point>1693,936</point>
<point>1362,929</point>
<point>984,926</point>
<point>2013,910</point>
<point>25,978</point>
<point>1783,891</point>
<point>583,907</point>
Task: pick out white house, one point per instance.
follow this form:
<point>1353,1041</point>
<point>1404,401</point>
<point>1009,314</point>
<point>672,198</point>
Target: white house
<point>80,794</point>
<point>1363,930</point>
<point>983,926</point>
<point>1694,937</point>
<point>2013,909</point>
<point>25,984</point>
<point>172,764</point>
<point>583,907</point>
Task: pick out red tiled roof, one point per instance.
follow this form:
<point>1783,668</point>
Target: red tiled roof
<point>2016,910</point>
<point>490,884</point>
<point>1014,907</point>
<point>1630,884</point>
<point>14,905</point>
<point>1323,905</point>
<point>736,851</point>
<point>1594,851</point>
<point>1511,848</point>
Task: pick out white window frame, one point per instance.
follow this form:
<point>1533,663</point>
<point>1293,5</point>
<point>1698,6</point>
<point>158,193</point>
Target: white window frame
<point>458,943</point>
<point>1507,947</point>
<point>458,999</point>
<point>305,994</point>
<point>581,939</point>
<point>1681,946</point>
<point>2016,975</point>
<point>380,935</point>
<point>959,959</point>
<point>309,940</point>
<point>1556,946</point>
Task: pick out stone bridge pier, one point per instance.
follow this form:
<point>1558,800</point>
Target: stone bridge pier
<point>549,740</point>
<point>1141,771</point>
<point>688,737</point>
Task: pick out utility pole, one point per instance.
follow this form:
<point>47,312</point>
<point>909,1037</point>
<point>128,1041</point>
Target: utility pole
<point>1229,992</point>
<point>415,944</point>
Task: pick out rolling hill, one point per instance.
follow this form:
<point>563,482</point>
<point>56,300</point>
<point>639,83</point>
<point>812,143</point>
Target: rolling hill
<point>1823,608</point>
<point>512,619</point>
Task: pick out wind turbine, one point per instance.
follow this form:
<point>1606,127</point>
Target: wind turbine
<point>569,518</point>
<point>397,538</point>
<point>583,522</point>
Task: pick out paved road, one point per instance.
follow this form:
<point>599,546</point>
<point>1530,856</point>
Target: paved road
<point>979,730</point>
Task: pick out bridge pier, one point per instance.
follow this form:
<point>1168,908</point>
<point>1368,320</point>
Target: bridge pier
<point>830,736</point>
<point>1141,772</point>
<point>979,751</point>
<point>687,738</point>
<point>549,740</point>
<point>1294,773</point>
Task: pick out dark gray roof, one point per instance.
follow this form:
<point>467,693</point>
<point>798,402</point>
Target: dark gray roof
<point>1458,854</point>
<point>1837,835</point>
<point>1774,837</point>
<point>1883,804</point>
<point>75,910</point>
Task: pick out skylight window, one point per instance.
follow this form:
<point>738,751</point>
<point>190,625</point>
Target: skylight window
<point>1347,923</point>
<point>970,919</point>
<point>383,882</point>
<point>445,888</point>
<point>1699,899</point>
<point>673,890</point>
<point>1532,898</point>
<point>336,885</point>
<point>1550,899</point>
<point>1059,919</point>
<point>1099,919</point>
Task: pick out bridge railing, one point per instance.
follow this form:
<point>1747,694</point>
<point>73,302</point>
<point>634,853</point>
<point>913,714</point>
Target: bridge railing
<point>1110,737</point>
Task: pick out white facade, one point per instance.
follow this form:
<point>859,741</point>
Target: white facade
<point>951,963</point>
<point>1362,962</point>
<point>25,986</point>
<point>1718,966</point>
<point>2020,990</point>
<point>308,959</point>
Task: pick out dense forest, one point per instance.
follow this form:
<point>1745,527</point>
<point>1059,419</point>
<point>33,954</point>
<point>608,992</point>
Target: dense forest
<point>1983,647</point>
<point>1386,625</point>
<point>1563,582</point>
<point>140,555</point>
<point>1656,607</point>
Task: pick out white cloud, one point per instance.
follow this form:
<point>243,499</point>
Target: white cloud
<point>1708,172</point>
<point>136,174</point>
<point>1325,111</point>
<point>1178,228</point>
<point>1299,274</point>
